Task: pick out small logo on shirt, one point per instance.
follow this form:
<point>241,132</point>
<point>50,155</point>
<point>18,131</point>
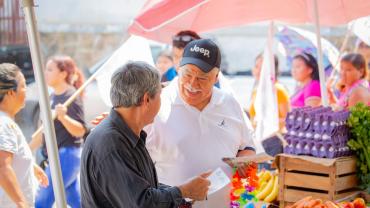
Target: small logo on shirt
<point>222,123</point>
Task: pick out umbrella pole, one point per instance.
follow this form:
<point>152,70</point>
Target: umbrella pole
<point>341,51</point>
<point>50,138</point>
<point>270,42</point>
<point>324,95</point>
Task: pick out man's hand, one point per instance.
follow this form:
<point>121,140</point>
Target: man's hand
<point>196,188</point>
<point>60,111</point>
<point>98,119</point>
<point>41,176</point>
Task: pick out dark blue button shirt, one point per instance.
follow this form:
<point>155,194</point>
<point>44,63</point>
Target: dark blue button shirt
<point>117,171</point>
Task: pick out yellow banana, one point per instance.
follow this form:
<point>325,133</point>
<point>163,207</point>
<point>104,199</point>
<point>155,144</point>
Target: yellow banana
<point>259,175</point>
<point>272,196</point>
<point>267,190</point>
<point>265,177</point>
<point>262,186</point>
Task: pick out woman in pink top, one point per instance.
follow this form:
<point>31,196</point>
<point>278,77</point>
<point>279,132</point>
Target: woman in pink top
<point>306,72</point>
<point>353,75</point>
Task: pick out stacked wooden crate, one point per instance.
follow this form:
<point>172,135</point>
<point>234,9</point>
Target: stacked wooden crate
<point>328,179</point>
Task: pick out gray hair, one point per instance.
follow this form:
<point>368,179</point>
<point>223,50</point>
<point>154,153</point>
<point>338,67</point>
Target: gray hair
<point>131,81</point>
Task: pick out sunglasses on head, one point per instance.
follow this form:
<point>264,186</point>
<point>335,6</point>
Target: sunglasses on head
<point>183,38</point>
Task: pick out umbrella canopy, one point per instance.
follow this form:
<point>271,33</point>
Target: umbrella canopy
<point>296,41</point>
<point>161,19</point>
<point>361,28</point>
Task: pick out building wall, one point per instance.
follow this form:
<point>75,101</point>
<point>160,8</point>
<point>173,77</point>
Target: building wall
<point>86,48</point>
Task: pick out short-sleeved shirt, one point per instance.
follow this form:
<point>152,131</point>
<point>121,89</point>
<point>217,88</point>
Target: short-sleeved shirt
<point>12,140</point>
<point>344,97</point>
<point>312,89</point>
<point>75,111</point>
<point>117,171</point>
<point>184,142</point>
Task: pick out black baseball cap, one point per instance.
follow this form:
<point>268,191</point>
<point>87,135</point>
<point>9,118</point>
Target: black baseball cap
<point>203,53</point>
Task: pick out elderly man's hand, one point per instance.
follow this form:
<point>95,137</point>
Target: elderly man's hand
<point>196,188</point>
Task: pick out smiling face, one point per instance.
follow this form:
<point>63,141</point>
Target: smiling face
<point>195,86</point>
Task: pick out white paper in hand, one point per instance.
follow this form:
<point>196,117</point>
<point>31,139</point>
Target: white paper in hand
<point>218,180</point>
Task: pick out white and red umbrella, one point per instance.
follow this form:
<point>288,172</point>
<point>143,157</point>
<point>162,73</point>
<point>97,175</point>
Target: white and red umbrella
<point>161,19</point>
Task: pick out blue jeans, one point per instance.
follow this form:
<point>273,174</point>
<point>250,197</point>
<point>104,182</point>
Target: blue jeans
<point>70,158</point>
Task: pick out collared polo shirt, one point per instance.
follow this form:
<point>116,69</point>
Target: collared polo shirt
<point>184,142</point>
<point>117,171</point>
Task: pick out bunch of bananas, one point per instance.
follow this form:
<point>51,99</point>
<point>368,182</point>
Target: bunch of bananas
<point>268,186</point>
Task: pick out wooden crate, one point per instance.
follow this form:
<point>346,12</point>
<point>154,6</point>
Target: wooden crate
<point>328,179</point>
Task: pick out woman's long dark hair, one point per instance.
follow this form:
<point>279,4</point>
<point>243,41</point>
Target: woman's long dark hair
<point>311,62</point>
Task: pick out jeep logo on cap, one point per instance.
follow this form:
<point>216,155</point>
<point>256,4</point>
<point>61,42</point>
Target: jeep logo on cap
<point>203,51</point>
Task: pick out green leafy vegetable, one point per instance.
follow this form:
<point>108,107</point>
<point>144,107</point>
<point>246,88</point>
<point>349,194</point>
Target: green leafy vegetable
<point>359,142</point>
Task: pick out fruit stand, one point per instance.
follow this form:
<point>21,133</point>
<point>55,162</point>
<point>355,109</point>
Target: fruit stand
<point>326,164</point>
<point>318,163</point>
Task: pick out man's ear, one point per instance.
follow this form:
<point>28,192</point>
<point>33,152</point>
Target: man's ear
<point>145,100</point>
<point>10,92</point>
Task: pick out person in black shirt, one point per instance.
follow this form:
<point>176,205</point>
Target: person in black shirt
<point>116,169</point>
<point>63,76</point>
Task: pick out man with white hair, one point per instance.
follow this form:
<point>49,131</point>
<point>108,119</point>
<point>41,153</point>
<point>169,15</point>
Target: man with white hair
<point>198,124</point>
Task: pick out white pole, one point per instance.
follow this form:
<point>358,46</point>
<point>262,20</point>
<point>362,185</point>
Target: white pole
<point>50,138</point>
<point>270,43</point>
<point>324,96</point>
<point>341,51</point>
